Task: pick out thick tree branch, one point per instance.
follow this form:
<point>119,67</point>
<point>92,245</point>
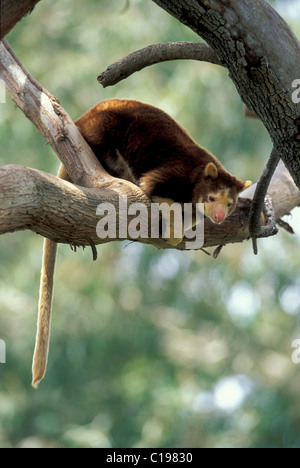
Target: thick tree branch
<point>56,209</point>
<point>154,54</point>
<point>30,199</point>
<point>12,11</point>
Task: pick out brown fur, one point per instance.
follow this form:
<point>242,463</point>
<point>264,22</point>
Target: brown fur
<point>142,144</point>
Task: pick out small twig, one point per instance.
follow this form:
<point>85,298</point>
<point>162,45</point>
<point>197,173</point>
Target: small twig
<point>154,54</point>
<point>94,250</point>
<point>205,251</point>
<point>250,113</point>
<point>217,251</point>
<point>255,228</point>
<point>286,226</point>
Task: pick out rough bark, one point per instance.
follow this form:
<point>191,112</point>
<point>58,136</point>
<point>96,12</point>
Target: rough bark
<point>66,213</point>
<point>12,11</point>
<point>59,210</point>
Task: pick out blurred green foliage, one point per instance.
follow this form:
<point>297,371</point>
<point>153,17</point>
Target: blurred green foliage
<point>148,348</point>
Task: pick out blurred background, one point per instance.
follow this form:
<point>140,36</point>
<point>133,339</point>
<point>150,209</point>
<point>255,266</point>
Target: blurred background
<point>148,348</point>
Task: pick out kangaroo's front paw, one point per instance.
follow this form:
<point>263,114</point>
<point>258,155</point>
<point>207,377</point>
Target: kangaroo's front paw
<point>174,241</point>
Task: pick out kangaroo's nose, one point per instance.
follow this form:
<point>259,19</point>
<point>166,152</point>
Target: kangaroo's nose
<point>219,215</point>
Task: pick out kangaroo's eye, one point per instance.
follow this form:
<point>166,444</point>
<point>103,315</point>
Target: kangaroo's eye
<point>230,205</point>
<point>211,199</point>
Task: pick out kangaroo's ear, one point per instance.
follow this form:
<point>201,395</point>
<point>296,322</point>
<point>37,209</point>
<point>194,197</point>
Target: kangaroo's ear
<point>211,170</point>
<point>246,184</point>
